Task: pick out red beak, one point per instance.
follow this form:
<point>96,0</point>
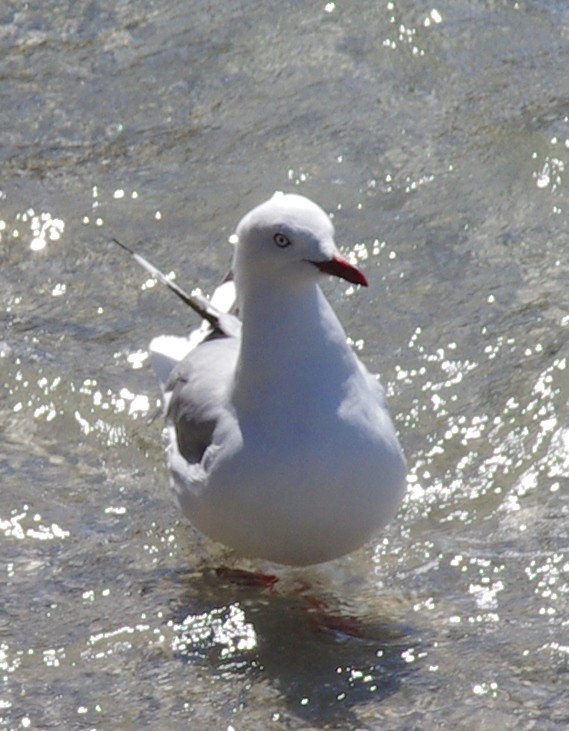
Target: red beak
<point>340,267</point>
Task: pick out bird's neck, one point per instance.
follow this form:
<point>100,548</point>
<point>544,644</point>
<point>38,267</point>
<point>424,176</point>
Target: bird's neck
<point>291,341</point>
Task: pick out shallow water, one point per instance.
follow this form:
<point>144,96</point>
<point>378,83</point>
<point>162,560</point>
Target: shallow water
<point>438,137</point>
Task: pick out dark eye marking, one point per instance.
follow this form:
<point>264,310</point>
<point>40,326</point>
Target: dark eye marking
<point>281,240</point>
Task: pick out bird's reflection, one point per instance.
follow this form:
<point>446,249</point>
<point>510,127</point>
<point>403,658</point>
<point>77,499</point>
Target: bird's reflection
<point>304,643</point>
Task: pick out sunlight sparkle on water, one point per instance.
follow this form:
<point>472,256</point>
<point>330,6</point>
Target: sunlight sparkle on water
<point>225,628</point>
<point>44,228</point>
<point>406,36</point>
<point>433,17</point>
<point>21,525</point>
<point>137,358</point>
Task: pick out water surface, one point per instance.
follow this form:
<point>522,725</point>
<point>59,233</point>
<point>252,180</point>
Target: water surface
<point>438,138</point>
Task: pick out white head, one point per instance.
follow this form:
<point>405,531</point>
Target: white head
<point>289,238</point>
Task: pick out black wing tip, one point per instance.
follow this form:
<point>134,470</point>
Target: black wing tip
<point>198,304</point>
<point>123,246</point>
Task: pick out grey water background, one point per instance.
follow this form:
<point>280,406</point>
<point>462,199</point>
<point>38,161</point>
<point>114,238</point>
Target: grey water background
<point>437,135</point>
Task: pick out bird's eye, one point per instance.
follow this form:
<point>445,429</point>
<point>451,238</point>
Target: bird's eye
<point>281,240</point>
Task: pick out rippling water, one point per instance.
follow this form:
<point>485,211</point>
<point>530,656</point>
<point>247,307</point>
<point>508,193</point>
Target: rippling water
<point>438,137</point>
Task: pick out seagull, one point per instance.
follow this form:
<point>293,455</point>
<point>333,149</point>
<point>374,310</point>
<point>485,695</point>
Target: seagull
<point>279,441</point>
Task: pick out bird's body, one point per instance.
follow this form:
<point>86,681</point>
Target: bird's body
<point>280,441</point>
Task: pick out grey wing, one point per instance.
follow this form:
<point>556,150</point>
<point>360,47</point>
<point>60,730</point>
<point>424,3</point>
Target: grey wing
<point>197,393</point>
